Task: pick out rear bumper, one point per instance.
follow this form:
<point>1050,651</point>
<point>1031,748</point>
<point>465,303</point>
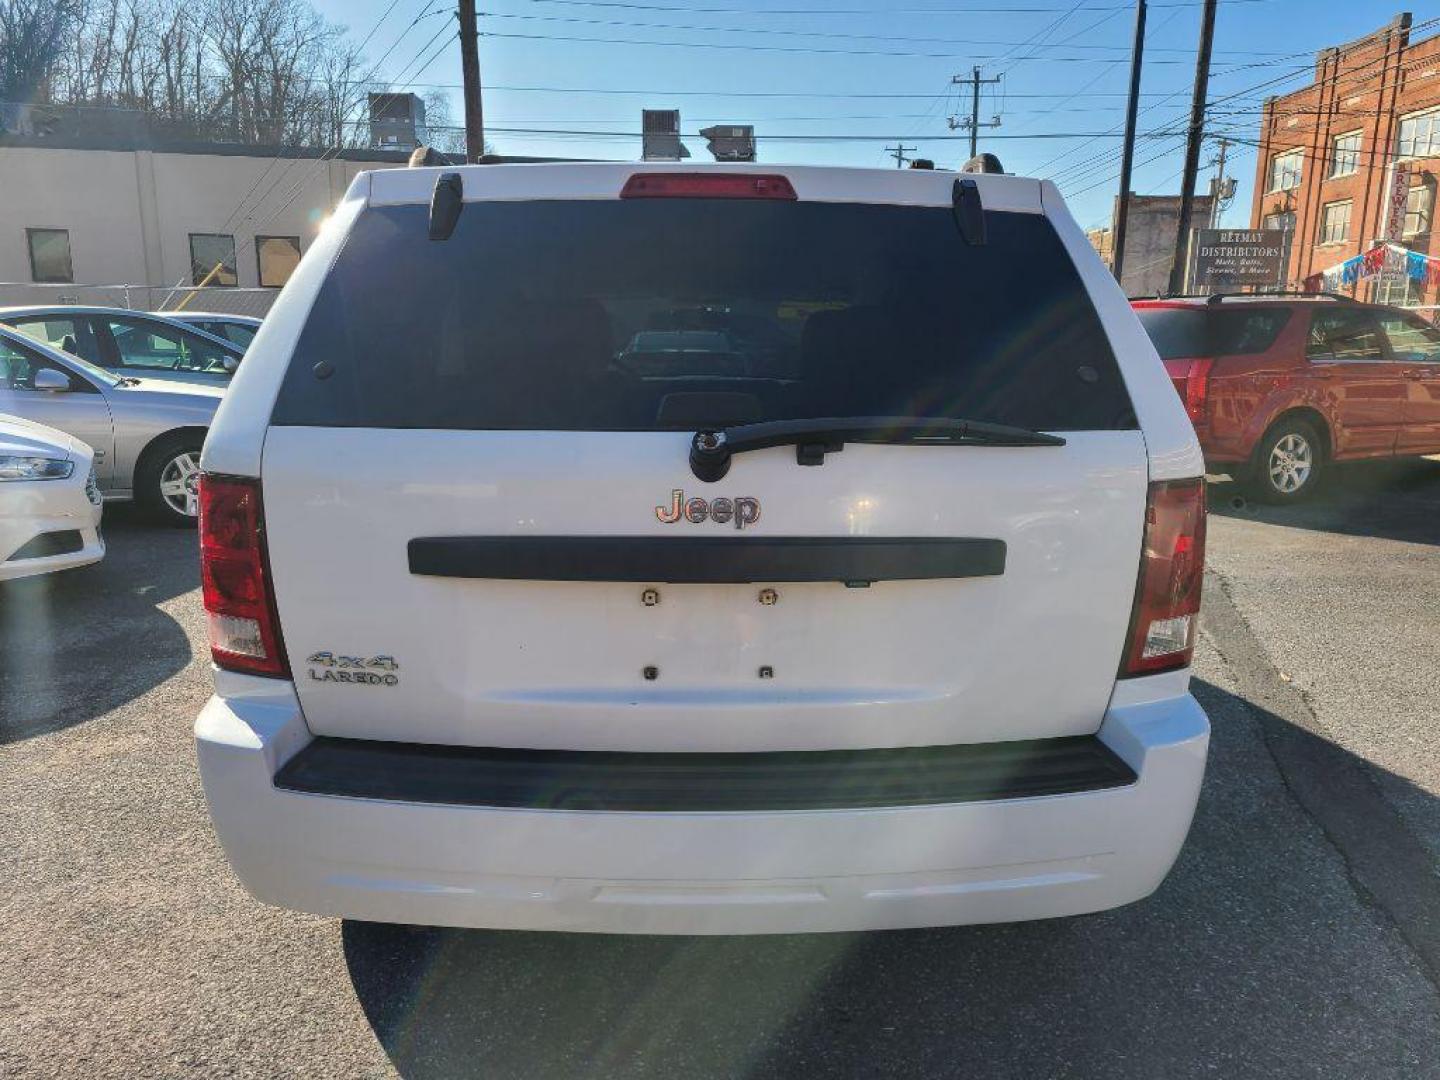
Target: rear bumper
<point>695,873</point>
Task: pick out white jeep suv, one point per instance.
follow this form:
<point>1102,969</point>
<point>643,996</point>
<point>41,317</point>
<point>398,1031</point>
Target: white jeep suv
<point>701,549</point>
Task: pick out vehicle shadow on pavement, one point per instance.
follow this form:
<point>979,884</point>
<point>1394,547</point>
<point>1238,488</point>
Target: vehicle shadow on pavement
<point>1390,500</point>
<point>60,668</point>
<point>1257,957</point>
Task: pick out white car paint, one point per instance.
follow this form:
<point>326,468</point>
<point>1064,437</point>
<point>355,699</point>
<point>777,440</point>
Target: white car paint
<point>1030,654</point>
<point>32,508</point>
<point>755,873</point>
<point>948,661</point>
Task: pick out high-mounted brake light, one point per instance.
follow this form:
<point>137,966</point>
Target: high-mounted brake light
<point>706,186</point>
<point>1172,570</point>
<point>235,579</point>
<point>1192,382</point>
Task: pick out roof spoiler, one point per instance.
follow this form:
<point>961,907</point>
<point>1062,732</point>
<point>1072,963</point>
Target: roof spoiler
<point>1338,297</point>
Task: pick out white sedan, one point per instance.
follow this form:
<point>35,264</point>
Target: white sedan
<point>49,501</point>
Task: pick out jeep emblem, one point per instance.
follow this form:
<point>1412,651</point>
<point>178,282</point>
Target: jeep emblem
<point>743,510</point>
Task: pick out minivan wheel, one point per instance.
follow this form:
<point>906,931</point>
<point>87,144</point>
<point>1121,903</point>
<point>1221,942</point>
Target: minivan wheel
<point>1289,463</point>
<point>167,481</point>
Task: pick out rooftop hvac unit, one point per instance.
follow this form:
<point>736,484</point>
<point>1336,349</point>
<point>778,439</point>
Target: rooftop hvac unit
<point>660,135</point>
<point>397,121</point>
<point>731,142</point>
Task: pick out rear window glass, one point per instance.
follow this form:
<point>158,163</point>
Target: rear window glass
<point>1189,332</point>
<point>677,313</point>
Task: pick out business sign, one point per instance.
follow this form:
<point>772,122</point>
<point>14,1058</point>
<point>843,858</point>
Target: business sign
<point>1396,203</point>
<point>1225,257</point>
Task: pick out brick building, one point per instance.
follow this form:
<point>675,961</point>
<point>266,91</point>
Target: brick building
<point>1329,154</point>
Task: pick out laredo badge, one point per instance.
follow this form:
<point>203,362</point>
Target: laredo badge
<point>364,671</point>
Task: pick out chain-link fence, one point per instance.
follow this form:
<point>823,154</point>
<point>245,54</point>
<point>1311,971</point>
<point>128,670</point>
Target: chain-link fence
<point>229,301</point>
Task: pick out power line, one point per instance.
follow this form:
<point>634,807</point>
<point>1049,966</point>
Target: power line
<point>925,95</point>
<point>295,189</point>
<point>1005,10</point>
<point>1156,30</point>
<point>834,138</point>
<point>1084,169</point>
<point>572,39</point>
<point>235,214</point>
<point>1035,39</point>
<point>825,34</point>
<point>424,13</point>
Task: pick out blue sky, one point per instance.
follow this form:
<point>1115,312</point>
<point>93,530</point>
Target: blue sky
<point>869,68</point>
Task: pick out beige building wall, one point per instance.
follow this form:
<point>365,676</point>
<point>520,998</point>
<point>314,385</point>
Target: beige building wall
<point>130,213</point>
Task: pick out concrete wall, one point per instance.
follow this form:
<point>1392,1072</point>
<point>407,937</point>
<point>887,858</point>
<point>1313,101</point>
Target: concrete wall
<point>130,212</point>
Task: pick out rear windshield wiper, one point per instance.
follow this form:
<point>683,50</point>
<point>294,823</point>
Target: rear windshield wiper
<point>710,451</point>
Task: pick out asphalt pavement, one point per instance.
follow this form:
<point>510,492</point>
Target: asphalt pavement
<point>1296,936</point>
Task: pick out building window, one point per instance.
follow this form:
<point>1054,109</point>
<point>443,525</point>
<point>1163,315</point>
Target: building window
<point>212,259</point>
<point>1417,210</point>
<point>1420,135</point>
<point>1396,290</point>
<point>1345,155</point>
<point>1285,169</point>
<point>1335,222</point>
<point>277,257</point>
<point>50,256</point>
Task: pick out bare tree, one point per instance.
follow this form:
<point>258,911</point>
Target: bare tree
<point>32,39</point>
<point>250,71</point>
<point>443,133</point>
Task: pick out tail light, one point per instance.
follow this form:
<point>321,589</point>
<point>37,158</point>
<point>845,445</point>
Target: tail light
<point>1172,569</point>
<point>1192,382</point>
<point>235,578</point>
<point>706,185</point>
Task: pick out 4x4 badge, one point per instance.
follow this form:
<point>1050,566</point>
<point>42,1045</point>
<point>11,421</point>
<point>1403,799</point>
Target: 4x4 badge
<point>742,511</point>
<point>361,670</point>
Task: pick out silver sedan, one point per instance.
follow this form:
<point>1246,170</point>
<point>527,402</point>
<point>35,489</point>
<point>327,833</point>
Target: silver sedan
<point>129,342</point>
<point>146,433</point>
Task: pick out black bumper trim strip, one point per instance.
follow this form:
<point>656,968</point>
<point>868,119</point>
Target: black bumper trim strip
<point>705,560</point>
<point>698,782</point>
<point>64,542</point>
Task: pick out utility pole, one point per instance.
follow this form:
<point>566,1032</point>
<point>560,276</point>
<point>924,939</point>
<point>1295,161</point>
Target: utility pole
<point>898,152</point>
<point>1192,147</point>
<point>973,121</point>
<point>1127,154</point>
<point>470,73</point>
<point>1217,186</point>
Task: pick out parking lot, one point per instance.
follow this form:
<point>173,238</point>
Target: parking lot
<point>1299,935</point>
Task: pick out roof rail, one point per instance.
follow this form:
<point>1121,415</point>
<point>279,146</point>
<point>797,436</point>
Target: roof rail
<point>1340,298</point>
<point>1172,296</point>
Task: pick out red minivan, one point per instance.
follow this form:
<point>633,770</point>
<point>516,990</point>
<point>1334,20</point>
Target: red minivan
<point>1279,387</point>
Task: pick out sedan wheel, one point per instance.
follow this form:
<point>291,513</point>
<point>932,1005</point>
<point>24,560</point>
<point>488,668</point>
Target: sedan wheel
<point>167,481</point>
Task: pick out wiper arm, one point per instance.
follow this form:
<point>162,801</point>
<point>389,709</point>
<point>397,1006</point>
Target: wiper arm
<point>711,451</point>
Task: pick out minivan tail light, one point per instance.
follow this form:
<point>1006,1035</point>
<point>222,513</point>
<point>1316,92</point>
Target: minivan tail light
<point>1192,382</point>
<point>235,578</point>
<point>1172,570</point>
<point>707,185</point>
